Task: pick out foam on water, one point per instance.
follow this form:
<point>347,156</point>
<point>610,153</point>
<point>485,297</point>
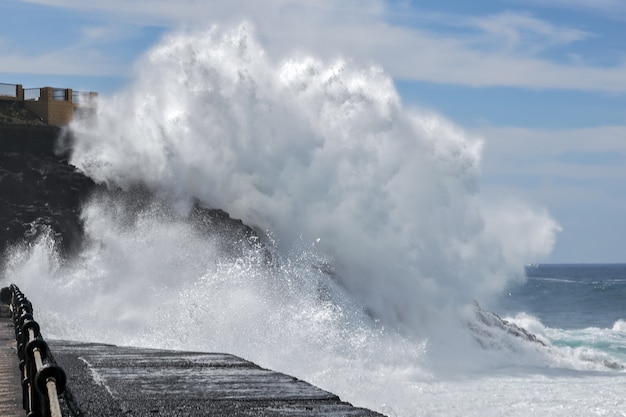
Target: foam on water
<point>376,226</point>
<point>620,326</point>
<point>589,348</point>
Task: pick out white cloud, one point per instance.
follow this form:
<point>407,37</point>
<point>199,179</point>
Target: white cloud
<point>582,193</point>
<point>523,32</point>
<point>613,9</point>
<point>67,61</point>
<point>106,33</point>
<point>573,164</point>
<point>494,50</point>
<point>523,141</point>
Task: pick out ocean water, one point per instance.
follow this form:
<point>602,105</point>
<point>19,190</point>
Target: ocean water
<point>571,296</point>
<point>381,241</point>
<point>576,306</point>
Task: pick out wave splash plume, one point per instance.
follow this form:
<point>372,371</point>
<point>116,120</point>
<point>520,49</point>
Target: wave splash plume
<point>315,152</point>
<point>371,212</point>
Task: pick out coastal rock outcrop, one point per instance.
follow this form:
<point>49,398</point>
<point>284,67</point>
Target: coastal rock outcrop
<point>40,192</point>
<point>492,332</point>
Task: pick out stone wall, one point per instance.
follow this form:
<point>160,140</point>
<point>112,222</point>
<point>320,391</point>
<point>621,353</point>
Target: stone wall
<point>53,111</point>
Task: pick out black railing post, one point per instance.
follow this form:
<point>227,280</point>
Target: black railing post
<point>42,379</point>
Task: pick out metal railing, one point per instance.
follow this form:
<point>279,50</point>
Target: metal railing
<point>59,94</point>
<point>32,94</point>
<point>84,98</point>
<point>8,90</point>
<point>42,379</point>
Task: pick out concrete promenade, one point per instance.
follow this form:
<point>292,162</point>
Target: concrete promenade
<point>106,380</point>
<point>112,381</point>
<point>75,379</point>
<point>10,378</point>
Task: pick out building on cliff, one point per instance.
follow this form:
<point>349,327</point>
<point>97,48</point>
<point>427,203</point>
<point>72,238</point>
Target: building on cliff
<point>55,106</point>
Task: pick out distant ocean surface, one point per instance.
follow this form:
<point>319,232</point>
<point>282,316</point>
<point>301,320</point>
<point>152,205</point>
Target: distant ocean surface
<point>576,305</point>
<point>572,296</point>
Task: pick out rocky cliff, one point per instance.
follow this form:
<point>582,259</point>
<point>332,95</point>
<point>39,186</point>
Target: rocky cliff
<point>40,192</point>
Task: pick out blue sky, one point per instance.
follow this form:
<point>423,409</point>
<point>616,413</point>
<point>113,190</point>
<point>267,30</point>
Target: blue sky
<point>542,81</point>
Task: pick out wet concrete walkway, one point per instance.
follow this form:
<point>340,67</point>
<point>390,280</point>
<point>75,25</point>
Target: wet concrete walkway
<point>105,380</point>
<point>10,378</point>
<point>111,381</point>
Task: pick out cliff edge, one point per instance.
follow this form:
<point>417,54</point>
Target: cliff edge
<point>39,190</point>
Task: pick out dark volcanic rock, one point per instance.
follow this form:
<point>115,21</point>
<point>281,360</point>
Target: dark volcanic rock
<point>32,139</point>
<point>39,192</point>
<point>493,332</point>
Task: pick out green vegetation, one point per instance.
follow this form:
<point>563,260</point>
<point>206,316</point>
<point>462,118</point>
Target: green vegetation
<point>13,112</point>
